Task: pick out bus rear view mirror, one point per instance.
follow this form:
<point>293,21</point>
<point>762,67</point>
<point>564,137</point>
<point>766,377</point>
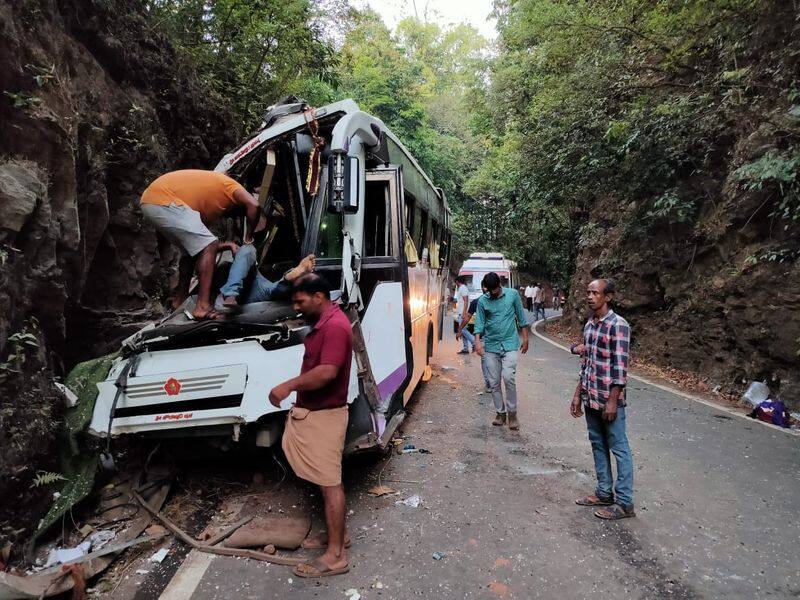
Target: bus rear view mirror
<point>343,183</point>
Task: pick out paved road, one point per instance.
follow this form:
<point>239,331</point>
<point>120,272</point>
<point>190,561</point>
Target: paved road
<point>717,498</point>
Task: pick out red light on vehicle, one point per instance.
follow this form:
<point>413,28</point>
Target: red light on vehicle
<point>172,387</point>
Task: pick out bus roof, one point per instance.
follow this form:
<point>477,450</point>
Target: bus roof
<point>487,261</point>
<point>418,178</point>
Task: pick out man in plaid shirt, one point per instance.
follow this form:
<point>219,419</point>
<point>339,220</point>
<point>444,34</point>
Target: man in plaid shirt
<point>601,392</point>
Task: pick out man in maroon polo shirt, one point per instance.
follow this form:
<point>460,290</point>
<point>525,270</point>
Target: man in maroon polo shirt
<point>313,440</point>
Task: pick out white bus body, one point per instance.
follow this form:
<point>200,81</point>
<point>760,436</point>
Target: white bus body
<point>381,233</point>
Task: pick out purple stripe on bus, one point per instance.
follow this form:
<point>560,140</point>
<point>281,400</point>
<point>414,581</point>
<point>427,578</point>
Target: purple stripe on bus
<point>392,382</point>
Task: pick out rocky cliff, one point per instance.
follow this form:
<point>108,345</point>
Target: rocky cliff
<point>95,104</point>
<point>717,295</point>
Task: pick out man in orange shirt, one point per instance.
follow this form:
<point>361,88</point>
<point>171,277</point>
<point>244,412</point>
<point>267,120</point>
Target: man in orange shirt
<point>181,205</point>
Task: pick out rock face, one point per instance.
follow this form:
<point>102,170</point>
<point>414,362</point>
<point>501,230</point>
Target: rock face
<point>713,297</point>
<point>94,106</point>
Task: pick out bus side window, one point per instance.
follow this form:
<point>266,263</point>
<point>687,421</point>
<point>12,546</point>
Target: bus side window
<point>434,246</point>
<point>410,250</point>
<point>422,238</point>
<point>377,219</point>
<point>410,205</point>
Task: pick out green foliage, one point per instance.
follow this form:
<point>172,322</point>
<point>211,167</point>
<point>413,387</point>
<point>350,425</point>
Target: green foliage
<point>46,478</point>
<point>18,345</point>
<point>250,53</point>
<point>23,100</point>
<point>590,101</point>
<point>779,171</point>
<point>779,255</point>
<point>671,207</point>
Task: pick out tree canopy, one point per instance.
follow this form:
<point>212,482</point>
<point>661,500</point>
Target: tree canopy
<point>580,102</point>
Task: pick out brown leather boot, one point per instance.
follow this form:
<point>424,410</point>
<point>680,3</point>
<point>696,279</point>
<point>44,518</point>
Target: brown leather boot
<point>513,424</point>
<point>500,419</point>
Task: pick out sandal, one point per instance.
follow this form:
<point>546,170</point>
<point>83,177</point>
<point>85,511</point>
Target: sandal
<point>320,569</point>
<point>318,544</point>
<point>615,512</point>
<point>594,500</point>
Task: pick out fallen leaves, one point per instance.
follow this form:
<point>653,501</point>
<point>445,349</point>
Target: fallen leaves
<point>381,490</point>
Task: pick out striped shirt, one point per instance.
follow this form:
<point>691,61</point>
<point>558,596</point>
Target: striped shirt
<point>605,363</point>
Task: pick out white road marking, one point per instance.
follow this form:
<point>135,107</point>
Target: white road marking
<point>672,390</point>
<point>188,576</point>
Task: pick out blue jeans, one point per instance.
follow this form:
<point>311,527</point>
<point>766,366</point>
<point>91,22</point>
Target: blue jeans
<point>261,289</point>
<point>467,338</point>
<point>610,438</point>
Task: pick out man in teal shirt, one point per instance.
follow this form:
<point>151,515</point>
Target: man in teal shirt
<point>499,321</point>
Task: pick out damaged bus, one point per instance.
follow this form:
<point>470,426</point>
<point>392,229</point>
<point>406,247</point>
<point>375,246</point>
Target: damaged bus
<point>335,182</point>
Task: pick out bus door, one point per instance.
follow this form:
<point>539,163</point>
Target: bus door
<point>381,283</point>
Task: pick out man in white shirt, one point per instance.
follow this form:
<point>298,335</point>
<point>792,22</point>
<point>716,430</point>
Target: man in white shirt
<point>462,304</point>
<point>529,297</point>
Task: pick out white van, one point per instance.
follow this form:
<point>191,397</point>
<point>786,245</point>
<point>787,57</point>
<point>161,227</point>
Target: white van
<point>480,263</point>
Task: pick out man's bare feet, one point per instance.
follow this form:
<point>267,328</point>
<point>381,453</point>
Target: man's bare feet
<point>176,301</point>
<point>320,541</point>
<point>204,312</point>
<point>306,265</point>
<point>230,302</point>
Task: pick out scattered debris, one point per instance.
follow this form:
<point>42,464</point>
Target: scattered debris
<point>411,449</point>
<point>412,501</point>
<point>100,538</point>
<point>70,399</point>
<point>499,589</point>
<point>202,547</point>
<point>381,490</point>
<point>160,555</point>
<point>352,594</point>
<point>142,572</point>
<point>59,556</point>
<point>155,529</point>
<point>438,555</point>
<point>772,411</point>
<point>756,393</point>
<point>280,531</point>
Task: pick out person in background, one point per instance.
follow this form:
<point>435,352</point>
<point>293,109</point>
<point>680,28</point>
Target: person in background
<point>556,298</point>
<point>473,307</point>
<point>537,294</point>
<point>529,297</point>
<point>499,323</point>
<point>601,394</point>
<point>313,439</point>
<point>181,205</point>
<point>462,303</point>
